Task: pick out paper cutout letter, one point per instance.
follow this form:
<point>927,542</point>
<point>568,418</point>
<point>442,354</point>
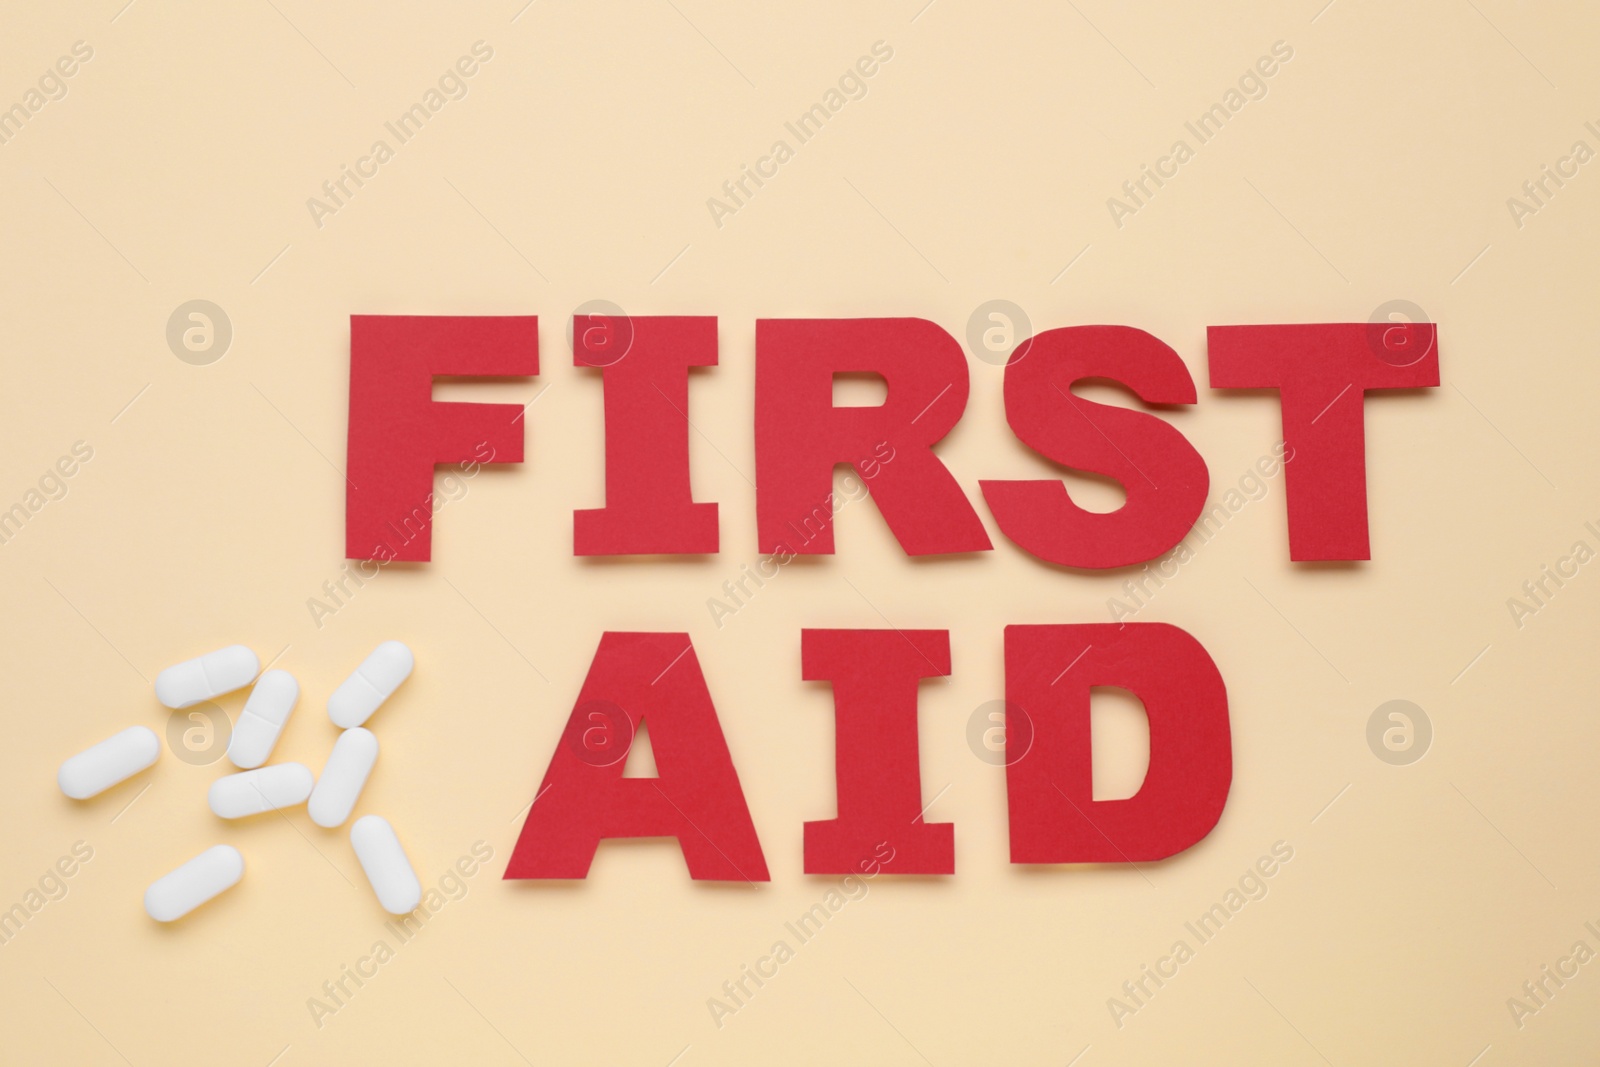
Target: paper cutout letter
<point>649,508</point>
<point>875,675</point>
<point>1054,816</point>
<point>800,435</point>
<point>654,678</point>
<point>1321,372</point>
<point>398,432</point>
<point>1164,477</point>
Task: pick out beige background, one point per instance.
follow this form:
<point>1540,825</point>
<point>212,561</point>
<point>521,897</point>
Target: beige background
<point>977,167</point>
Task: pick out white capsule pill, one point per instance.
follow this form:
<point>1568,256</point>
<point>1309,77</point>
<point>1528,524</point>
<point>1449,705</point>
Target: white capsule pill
<point>207,676</point>
<point>343,777</point>
<point>386,865</point>
<point>172,896</point>
<point>281,785</point>
<point>379,675</point>
<point>262,720</point>
<point>118,757</point>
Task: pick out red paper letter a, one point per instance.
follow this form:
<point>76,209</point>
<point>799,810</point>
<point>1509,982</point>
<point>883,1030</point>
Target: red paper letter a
<point>653,678</point>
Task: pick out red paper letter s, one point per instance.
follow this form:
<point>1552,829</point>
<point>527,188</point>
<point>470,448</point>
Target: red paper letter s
<point>1164,477</point>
